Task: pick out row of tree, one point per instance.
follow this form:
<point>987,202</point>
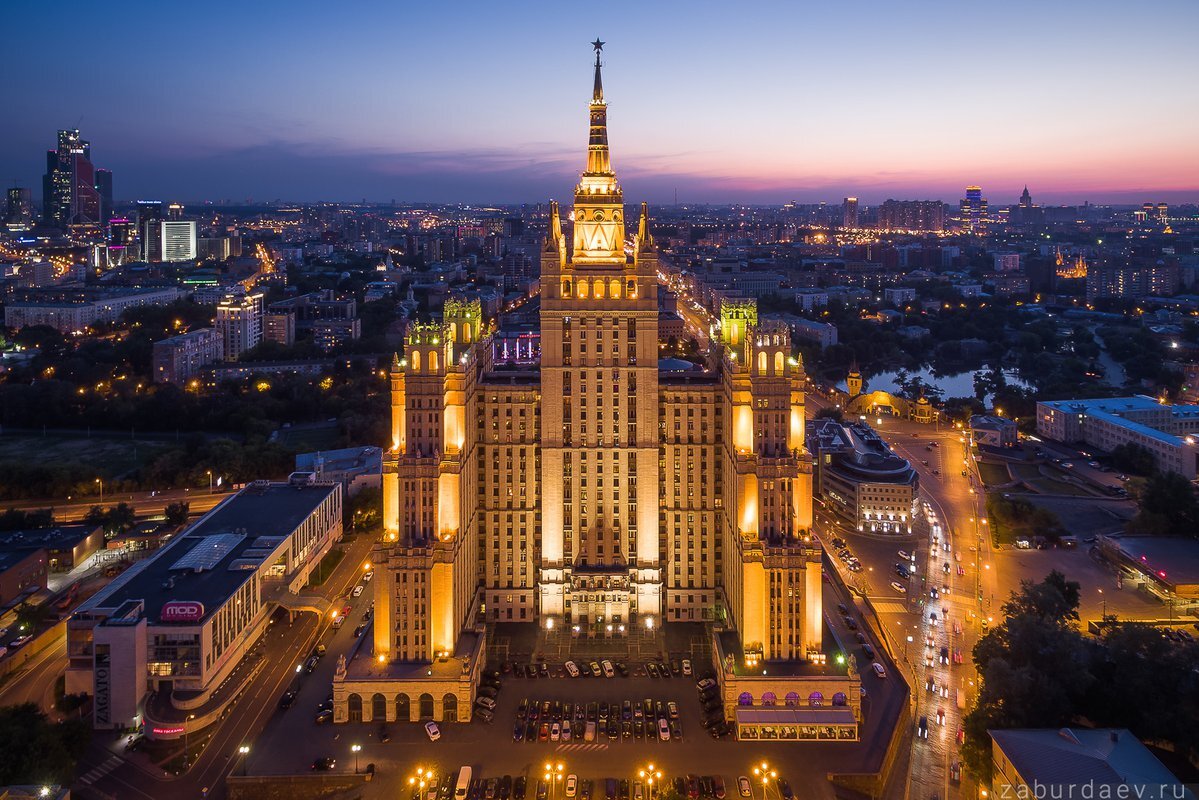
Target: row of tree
<point>1038,670</point>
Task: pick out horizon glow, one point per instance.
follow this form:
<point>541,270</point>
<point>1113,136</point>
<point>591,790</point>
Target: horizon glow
<point>763,102</point>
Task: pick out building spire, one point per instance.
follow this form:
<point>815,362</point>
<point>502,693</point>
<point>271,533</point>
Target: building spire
<point>597,94</point>
<point>645,239</point>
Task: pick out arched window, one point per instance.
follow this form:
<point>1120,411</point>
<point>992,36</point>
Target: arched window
<point>355,706</point>
<point>378,708</point>
<point>778,363</point>
<point>614,288</point>
<point>745,699</point>
<point>426,706</point>
<point>839,699</point>
<point>769,699</point>
<point>449,707</point>
<point>599,288</point>
<point>466,332</point>
<point>792,699</point>
<point>403,708</point>
<point>815,700</point>
<point>453,331</point>
<point>566,288</point>
<point>762,363</point>
<point>582,290</point>
<point>630,289</point>
<point>432,361</point>
<point>416,360</point>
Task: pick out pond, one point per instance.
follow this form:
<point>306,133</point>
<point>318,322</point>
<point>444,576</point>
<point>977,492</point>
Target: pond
<point>960,384</point>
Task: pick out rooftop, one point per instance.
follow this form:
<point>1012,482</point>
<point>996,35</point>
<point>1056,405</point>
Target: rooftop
<point>210,561</point>
<point>1176,557</point>
<point>1081,756</point>
<point>58,537</point>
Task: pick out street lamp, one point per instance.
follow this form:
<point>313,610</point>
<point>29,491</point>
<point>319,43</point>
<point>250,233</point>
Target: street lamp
<point>553,774</point>
<point>650,775</point>
<point>100,483</point>
<point>190,717</point>
<point>419,781</point>
<point>243,751</point>
<point>355,749</point>
<point>209,481</point>
<point>766,774</point>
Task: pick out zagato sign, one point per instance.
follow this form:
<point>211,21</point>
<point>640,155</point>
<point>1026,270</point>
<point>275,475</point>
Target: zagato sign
<point>181,611</point>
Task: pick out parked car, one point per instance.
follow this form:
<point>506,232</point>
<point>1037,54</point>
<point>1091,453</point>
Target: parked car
<point>324,764</point>
<point>288,699</point>
<point>432,731</point>
<point>879,669</point>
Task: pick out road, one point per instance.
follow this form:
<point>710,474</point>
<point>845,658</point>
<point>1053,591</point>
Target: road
<point>939,456</point>
<point>34,683</point>
<point>145,504</point>
<point>106,774</point>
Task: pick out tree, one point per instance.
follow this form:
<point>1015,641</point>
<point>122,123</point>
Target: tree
<point>1134,458</point>
<point>1167,507</point>
<point>34,751</point>
<point>831,412</point>
<point>177,513</point>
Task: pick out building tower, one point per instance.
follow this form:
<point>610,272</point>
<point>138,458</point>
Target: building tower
<point>599,374</point>
<point>849,213</point>
<point>853,381</point>
<point>69,195</point>
<point>972,210</point>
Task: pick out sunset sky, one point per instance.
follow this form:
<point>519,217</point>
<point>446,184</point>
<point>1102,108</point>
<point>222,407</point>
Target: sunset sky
<point>719,102</point>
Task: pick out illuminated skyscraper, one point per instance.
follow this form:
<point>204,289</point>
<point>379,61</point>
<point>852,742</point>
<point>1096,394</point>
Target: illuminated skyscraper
<point>972,210</point>
<point>596,491</point>
<point>69,195</point>
<point>104,189</point>
<point>849,213</point>
<point>18,214</point>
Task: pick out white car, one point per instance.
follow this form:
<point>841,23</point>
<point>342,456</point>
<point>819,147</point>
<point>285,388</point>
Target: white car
<point>879,669</point>
<point>358,590</point>
<point>432,731</point>
<point>366,578</point>
<point>609,671</point>
<point>686,666</point>
<point>572,669</point>
<point>899,587</point>
<point>663,731</point>
<point>572,785</point>
<point>904,555</point>
<point>555,732</point>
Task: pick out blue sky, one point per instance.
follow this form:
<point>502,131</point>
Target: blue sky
<point>721,102</point>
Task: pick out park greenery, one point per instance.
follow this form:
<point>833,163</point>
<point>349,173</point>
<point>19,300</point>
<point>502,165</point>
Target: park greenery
<point>1166,506</point>
<point>35,751</point>
<point>1038,670</point>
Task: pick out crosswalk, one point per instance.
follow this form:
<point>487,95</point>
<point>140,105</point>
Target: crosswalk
<point>885,607</point>
<point>100,771</point>
<point>581,747</point>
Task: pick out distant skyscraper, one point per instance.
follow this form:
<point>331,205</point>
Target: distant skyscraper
<point>104,189</point>
<point>1025,199</point>
<point>973,210</point>
<point>149,220</point>
<point>69,195</point>
<point>178,240</point>
<point>912,215</point>
<point>175,211</point>
<point>849,212</point>
<point>19,213</point>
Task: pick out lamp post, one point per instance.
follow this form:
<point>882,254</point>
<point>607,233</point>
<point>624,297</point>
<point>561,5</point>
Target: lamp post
<point>553,774</point>
<point>766,774</point>
<point>100,483</point>
<point>419,780</point>
<point>243,751</point>
<point>355,749</point>
<point>209,481</point>
<point>186,725</point>
<point>650,775</point>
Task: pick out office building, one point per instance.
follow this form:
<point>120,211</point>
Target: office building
<point>71,310</point>
<point>104,190</point>
<point>64,546</point>
<point>1006,262</point>
<point>180,622</point>
<point>1169,432</point>
<point>590,490</point>
<point>22,572</point>
<point>972,211</point>
<point>863,481</point>
<point>18,214</point>
<point>69,195</point>
<point>149,218</point>
<point>912,215</point>
<point>330,334</point>
<point>993,431</point>
<point>178,240</point>
<point>849,213</point>
<point>239,320</point>
<point>180,359</point>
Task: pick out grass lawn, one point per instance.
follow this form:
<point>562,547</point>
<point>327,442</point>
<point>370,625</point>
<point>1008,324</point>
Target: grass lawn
<point>105,457</point>
<point>1027,472</point>
<point>325,568</point>
<point>994,474</point>
<point>1054,486</point>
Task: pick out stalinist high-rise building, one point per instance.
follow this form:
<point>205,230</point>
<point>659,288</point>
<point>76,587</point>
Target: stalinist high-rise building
<point>581,486</point>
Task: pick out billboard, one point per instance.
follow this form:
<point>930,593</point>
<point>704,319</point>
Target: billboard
<point>181,611</point>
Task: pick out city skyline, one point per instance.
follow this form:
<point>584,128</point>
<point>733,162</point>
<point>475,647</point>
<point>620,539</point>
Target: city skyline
<point>384,111</point>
